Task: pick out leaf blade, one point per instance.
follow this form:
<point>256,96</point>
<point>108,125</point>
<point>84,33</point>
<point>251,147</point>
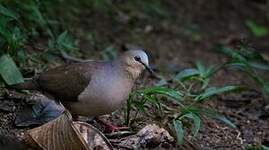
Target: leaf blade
<point>179,131</point>
<point>187,74</point>
<point>163,91</point>
<point>6,12</point>
<point>212,91</point>
<point>9,71</point>
<point>196,120</point>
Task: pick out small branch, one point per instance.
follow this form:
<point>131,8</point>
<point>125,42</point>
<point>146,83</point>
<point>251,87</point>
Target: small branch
<point>68,58</point>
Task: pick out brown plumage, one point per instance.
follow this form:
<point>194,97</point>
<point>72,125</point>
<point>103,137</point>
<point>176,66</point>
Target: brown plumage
<point>92,88</point>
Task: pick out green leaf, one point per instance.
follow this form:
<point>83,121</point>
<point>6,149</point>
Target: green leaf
<point>229,52</point>
<point>251,73</point>
<point>256,29</point>
<point>6,12</point>
<point>179,131</point>
<point>9,71</point>
<point>187,74</point>
<point>262,66</point>
<point>205,73</point>
<point>212,91</point>
<point>196,120</point>
<point>201,68</point>
<point>215,115</point>
<point>64,43</point>
<point>162,91</point>
<point>62,37</point>
<point>240,65</point>
<point>209,113</point>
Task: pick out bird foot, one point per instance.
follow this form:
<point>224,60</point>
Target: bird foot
<point>110,128</point>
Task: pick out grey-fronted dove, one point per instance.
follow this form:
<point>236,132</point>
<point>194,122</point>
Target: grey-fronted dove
<point>92,88</point>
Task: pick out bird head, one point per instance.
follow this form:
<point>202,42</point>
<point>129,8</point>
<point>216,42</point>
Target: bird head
<point>135,61</point>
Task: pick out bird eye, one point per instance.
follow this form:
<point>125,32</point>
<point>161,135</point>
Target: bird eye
<point>137,58</point>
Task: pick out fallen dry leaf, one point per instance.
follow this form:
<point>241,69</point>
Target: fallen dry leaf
<point>63,133</point>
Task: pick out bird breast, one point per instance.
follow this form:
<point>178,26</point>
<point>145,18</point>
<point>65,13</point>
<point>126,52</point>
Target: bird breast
<point>104,94</point>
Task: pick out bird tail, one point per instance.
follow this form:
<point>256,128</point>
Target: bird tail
<point>27,85</point>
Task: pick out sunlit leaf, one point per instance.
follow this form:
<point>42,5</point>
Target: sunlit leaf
<point>256,29</point>
<point>163,91</point>
<point>186,74</point>
<point>9,71</point>
<point>212,91</point>
<point>179,131</point>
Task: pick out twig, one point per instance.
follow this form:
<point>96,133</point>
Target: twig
<point>119,134</point>
<point>66,57</point>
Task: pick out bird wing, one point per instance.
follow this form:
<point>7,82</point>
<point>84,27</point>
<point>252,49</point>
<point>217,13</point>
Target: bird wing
<point>68,81</point>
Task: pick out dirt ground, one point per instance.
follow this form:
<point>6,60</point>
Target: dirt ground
<point>175,39</point>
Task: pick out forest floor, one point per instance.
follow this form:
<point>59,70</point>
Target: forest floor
<point>180,35</point>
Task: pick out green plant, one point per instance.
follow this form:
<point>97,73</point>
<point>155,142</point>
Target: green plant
<point>12,40</point>
<point>9,71</point>
<point>11,36</point>
<point>191,89</point>
<point>256,29</point>
<point>21,24</point>
<point>249,61</point>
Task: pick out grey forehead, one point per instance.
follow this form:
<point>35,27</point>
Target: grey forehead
<point>140,53</point>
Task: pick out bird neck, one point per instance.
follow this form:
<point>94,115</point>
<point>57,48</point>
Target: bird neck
<point>125,70</point>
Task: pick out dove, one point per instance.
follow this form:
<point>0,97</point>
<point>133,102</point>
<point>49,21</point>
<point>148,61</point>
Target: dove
<point>92,88</point>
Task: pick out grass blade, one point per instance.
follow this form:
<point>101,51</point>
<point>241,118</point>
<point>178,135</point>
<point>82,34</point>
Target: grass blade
<point>196,120</point>
<point>187,74</point>
<point>212,91</point>
<point>179,131</point>
<point>256,29</point>
<point>163,91</point>
<point>217,116</point>
<point>6,12</point>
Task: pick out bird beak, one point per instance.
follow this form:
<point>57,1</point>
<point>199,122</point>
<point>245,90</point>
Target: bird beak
<point>152,73</point>
<point>147,68</point>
